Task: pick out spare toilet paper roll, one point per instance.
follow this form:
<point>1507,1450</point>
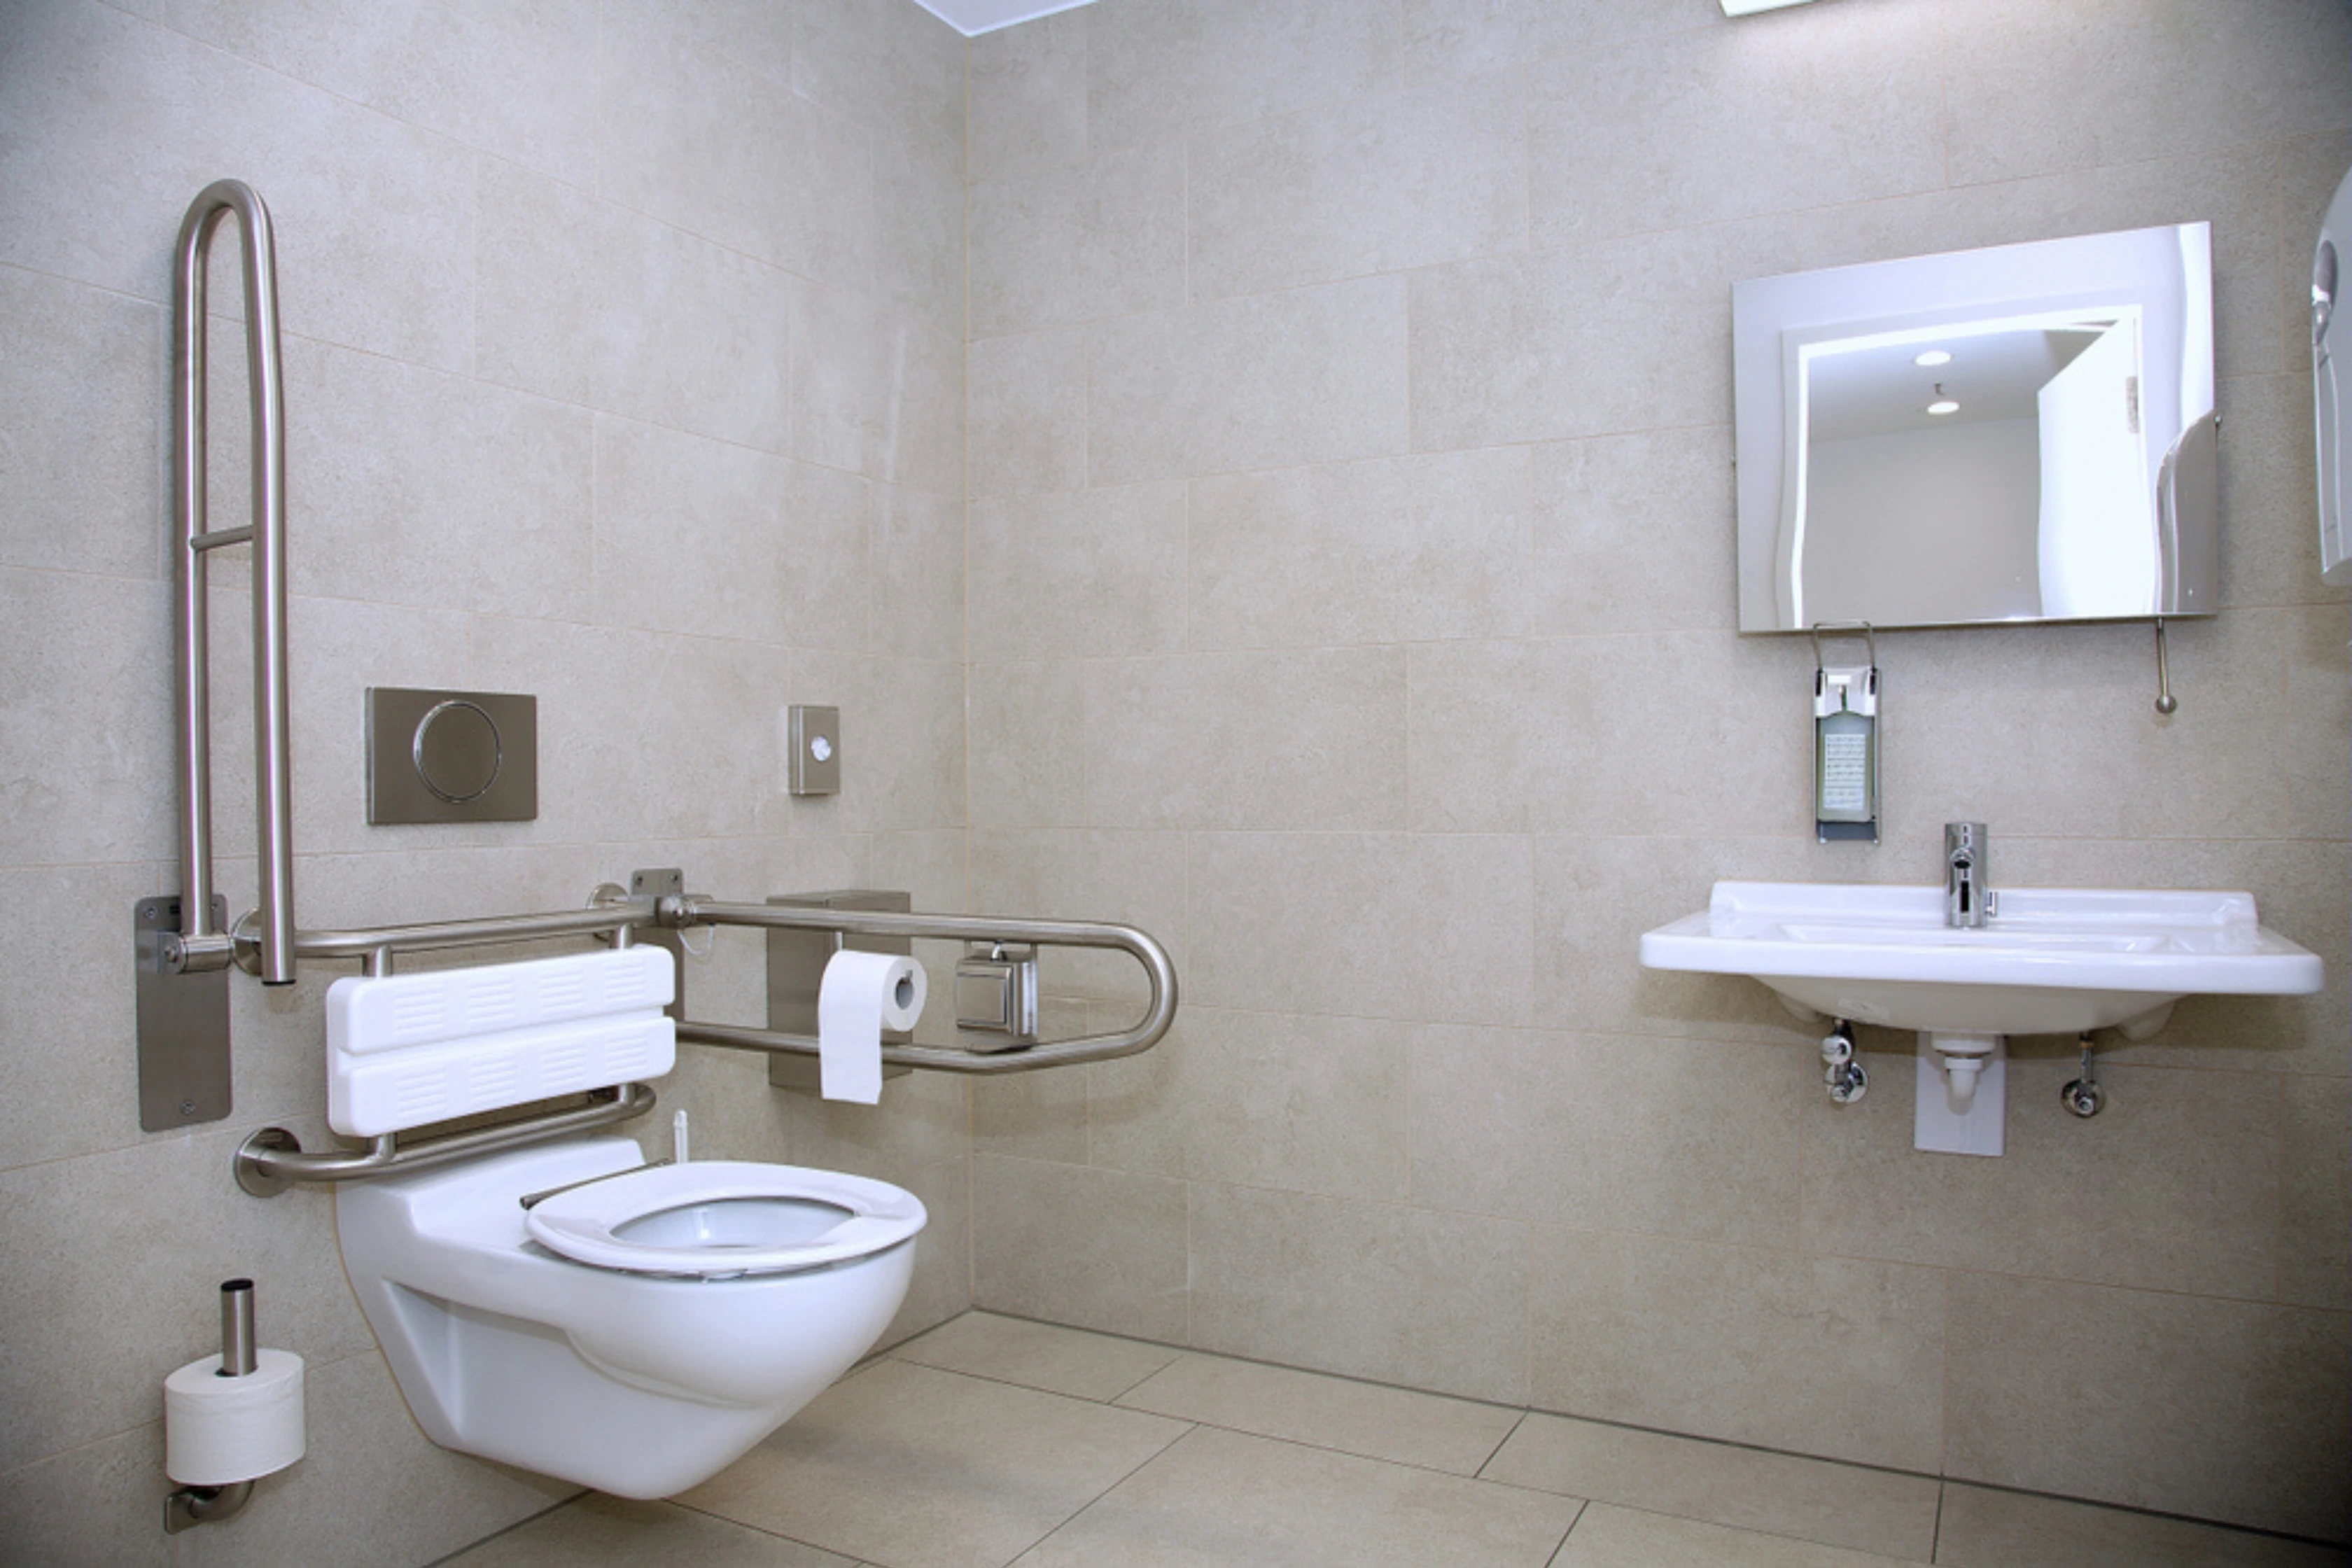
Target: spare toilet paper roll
<point>219,1430</point>
<point>861,995</point>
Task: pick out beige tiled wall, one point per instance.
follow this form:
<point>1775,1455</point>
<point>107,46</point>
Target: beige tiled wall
<point>1351,549</point>
<point>625,365</point>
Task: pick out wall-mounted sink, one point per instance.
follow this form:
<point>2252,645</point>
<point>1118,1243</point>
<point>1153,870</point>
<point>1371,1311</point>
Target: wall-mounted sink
<point>2050,960</point>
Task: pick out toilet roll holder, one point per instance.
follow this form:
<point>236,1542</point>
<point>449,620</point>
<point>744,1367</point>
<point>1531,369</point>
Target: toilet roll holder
<point>192,1506</point>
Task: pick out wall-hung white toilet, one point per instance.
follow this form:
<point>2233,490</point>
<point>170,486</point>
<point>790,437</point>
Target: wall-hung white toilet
<point>638,1334</point>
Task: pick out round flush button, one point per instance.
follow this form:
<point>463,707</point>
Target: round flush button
<point>457,752</point>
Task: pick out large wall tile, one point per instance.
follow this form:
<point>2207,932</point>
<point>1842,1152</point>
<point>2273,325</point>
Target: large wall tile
<point>1308,377</point>
<point>1562,735</point>
<point>2315,1241</point>
<point>94,1504</point>
<point>1248,739</point>
<point>1340,922</point>
<point>1027,412</point>
<point>1391,550</point>
<point>2029,89</point>
<point>1822,1355</point>
<point>698,126</point>
<point>1028,744</point>
<point>900,68</point>
<point>63,977</point>
<point>1762,121</point>
<point>1300,1102</point>
<point>585,301</point>
<point>85,720</point>
<point>1094,573</point>
<point>1061,242</point>
<point>1391,1294</point>
<point>2174,1186</point>
<point>875,395</point>
<point>412,486</point>
<point>83,395</point>
<point>915,579</point>
<point>2267,512</point>
<point>1561,1128</point>
<point>2119,1395</point>
<point>700,536</point>
<point>110,127</point>
<point>1630,533</point>
<point>918,221</point>
<point>1460,37</point>
<point>2319,713</point>
<point>1156,67</point>
<point>1097,1249</point>
<point>518,80</point>
<point>1027,87</point>
<point>1364,185</point>
<point>1625,334</point>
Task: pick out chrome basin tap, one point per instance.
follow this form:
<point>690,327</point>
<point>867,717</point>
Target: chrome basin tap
<point>1968,901</point>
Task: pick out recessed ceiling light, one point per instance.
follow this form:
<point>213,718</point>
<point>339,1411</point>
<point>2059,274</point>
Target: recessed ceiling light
<point>1943,406</point>
<point>1746,7</point>
<point>1932,358</point>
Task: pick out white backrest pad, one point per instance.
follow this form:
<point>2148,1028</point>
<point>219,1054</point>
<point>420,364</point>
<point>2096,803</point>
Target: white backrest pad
<point>408,1049</point>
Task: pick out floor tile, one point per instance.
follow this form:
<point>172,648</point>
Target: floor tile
<point>1983,1527</point>
<point>921,1468</point>
<point>1366,1418</point>
<point>1813,1500</point>
<point>1221,1498</point>
<point>1609,1537</point>
<point>613,1532</point>
<point>1076,1361</point>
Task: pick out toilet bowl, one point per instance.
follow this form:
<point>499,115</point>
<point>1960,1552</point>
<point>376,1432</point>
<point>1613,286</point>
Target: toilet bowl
<point>634,1329</point>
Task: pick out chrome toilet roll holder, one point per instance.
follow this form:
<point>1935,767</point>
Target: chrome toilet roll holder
<point>192,1506</point>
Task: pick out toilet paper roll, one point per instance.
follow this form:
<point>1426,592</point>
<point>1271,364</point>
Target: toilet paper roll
<point>219,1430</point>
<point>861,993</point>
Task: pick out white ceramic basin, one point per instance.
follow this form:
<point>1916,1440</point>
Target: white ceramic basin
<point>2052,961</point>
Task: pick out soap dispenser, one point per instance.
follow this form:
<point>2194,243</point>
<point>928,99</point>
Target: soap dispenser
<point>1845,744</point>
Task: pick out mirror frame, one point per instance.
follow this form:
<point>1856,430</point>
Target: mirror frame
<point>2167,272</point>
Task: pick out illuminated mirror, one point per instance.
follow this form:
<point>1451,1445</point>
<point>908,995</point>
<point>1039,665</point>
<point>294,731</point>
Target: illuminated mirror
<point>2017,433</point>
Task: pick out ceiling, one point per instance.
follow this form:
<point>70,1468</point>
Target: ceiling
<point>972,18</point>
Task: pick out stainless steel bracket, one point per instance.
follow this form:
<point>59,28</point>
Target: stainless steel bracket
<point>666,885</point>
<point>184,1041</point>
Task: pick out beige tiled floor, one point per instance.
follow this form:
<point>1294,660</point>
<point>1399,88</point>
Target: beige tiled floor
<point>994,1441</point>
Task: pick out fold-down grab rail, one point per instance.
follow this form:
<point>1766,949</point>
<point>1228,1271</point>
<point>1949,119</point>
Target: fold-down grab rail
<point>273,1158</point>
<point>1157,969</point>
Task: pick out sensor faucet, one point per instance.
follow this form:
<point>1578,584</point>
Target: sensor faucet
<point>1968,902</point>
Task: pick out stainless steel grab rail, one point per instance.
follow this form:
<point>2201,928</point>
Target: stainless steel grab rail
<point>202,948</point>
<point>1158,968</point>
<point>267,1162</point>
<point>273,1159</point>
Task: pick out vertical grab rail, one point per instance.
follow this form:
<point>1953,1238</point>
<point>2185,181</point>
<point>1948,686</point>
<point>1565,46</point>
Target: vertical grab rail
<point>204,947</point>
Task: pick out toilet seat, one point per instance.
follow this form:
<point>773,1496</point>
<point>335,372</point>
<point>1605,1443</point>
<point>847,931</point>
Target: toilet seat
<point>585,1223</point>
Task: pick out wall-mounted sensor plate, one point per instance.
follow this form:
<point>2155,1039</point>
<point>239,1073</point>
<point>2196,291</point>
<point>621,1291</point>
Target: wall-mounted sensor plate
<point>816,750</point>
<point>451,756</point>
